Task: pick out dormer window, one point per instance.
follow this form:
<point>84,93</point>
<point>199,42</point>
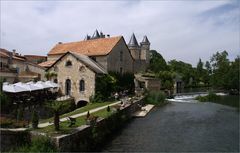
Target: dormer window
<point>68,63</point>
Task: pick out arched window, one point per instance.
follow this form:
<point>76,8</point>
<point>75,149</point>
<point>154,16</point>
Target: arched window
<point>68,63</point>
<point>68,87</point>
<point>55,81</point>
<point>81,85</point>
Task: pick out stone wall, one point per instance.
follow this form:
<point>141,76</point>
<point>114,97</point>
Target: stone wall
<point>76,72</point>
<point>13,138</point>
<point>114,63</point>
<point>88,138</point>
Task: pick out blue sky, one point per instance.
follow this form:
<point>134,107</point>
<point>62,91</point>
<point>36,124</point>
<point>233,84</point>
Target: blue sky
<point>181,30</point>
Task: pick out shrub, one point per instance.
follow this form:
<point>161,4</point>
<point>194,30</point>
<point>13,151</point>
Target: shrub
<point>38,144</point>
<point>35,119</point>
<point>155,98</point>
<point>211,97</point>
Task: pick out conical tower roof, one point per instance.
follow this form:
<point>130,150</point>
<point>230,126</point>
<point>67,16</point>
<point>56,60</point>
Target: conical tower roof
<point>87,37</point>
<point>96,35</point>
<point>145,40</point>
<point>133,41</point>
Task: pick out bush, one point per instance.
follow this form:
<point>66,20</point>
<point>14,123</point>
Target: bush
<point>211,97</point>
<point>38,144</point>
<point>35,119</point>
<point>155,98</point>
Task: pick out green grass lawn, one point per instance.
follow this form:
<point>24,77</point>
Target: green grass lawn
<point>79,110</point>
<point>64,129</point>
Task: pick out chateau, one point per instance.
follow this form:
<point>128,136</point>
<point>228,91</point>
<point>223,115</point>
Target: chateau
<point>77,64</point>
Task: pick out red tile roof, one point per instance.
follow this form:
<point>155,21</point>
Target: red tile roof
<point>46,64</point>
<point>93,47</point>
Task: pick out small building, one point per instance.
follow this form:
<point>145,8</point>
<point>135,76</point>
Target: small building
<point>15,67</point>
<point>76,75</point>
<point>146,82</point>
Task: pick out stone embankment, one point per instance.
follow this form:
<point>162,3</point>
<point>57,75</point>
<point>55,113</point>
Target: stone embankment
<point>84,138</point>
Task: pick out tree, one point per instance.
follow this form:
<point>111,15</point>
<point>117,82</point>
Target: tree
<point>232,77</point>
<point>49,75</point>
<point>166,78</point>
<point>35,119</point>
<point>220,67</point>
<point>183,69</point>
<point>57,107</point>
<point>157,62</point>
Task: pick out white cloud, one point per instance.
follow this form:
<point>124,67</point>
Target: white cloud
<point>179,30</point>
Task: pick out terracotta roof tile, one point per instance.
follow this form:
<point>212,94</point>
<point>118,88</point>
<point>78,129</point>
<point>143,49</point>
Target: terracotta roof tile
<point>94,47</point>
<point>46,64</point>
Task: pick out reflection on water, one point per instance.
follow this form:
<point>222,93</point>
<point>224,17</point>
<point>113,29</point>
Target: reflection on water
<point>198,127</point>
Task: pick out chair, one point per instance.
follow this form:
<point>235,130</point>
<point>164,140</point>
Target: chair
<point>72,121</point>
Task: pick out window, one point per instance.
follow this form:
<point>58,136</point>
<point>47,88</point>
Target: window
<point>1,64</point>
<point>68,63</point>
<point>81,85</point>
<point>55,81</point>
<point>68,87</point>
<point>121,70</point>
<point>121,55</point>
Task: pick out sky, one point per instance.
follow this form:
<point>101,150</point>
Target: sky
<point>181,30</point>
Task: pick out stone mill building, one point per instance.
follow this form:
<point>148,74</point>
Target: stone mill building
<point>77,64</point>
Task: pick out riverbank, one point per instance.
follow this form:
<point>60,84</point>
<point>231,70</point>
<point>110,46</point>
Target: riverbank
<point>181,127</point>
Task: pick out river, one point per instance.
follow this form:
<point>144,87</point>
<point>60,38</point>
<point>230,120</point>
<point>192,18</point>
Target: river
<point>181,127</point>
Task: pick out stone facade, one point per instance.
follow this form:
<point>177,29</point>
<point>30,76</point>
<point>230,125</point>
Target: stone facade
<point>75,73</point>
<point>119,59</point>
<point>140,53</point>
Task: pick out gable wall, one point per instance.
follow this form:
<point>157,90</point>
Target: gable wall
<point>75,75</point>
<point>113,58</point>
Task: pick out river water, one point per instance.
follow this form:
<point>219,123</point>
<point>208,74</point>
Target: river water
<point>181,127</point>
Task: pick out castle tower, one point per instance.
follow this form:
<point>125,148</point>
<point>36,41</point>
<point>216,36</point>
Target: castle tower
<point>134,47</point>
<point>145,47</point>
<point>96,35</point>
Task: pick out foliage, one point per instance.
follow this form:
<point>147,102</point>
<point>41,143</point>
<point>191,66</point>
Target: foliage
<point>155,98</point>
<point>49,75</point>
<point>108,109</point>
<point>11,123</point>
<point>232,77</point>
<point>105,85</point>
<point>110,83</point>
<point>97,98</point>
<point>58,107</point>
<point>20,113</point>
<point>35,119</point>
<point>38,144</point>
<point>157,62</point>
<point>185,70</point>
<point>209,98</point>
<point>166,78</point>
<point>4,99</point>
<point>220,66</point>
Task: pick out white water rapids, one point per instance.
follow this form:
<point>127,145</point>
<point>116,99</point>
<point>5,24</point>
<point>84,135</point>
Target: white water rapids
<point>190,98</point>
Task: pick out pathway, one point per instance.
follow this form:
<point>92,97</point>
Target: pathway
<point>41,125</point>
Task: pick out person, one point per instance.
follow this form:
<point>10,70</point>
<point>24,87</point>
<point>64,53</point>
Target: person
<point>116,96</point>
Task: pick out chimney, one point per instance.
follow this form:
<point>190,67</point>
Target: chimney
<point>14,52</point>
